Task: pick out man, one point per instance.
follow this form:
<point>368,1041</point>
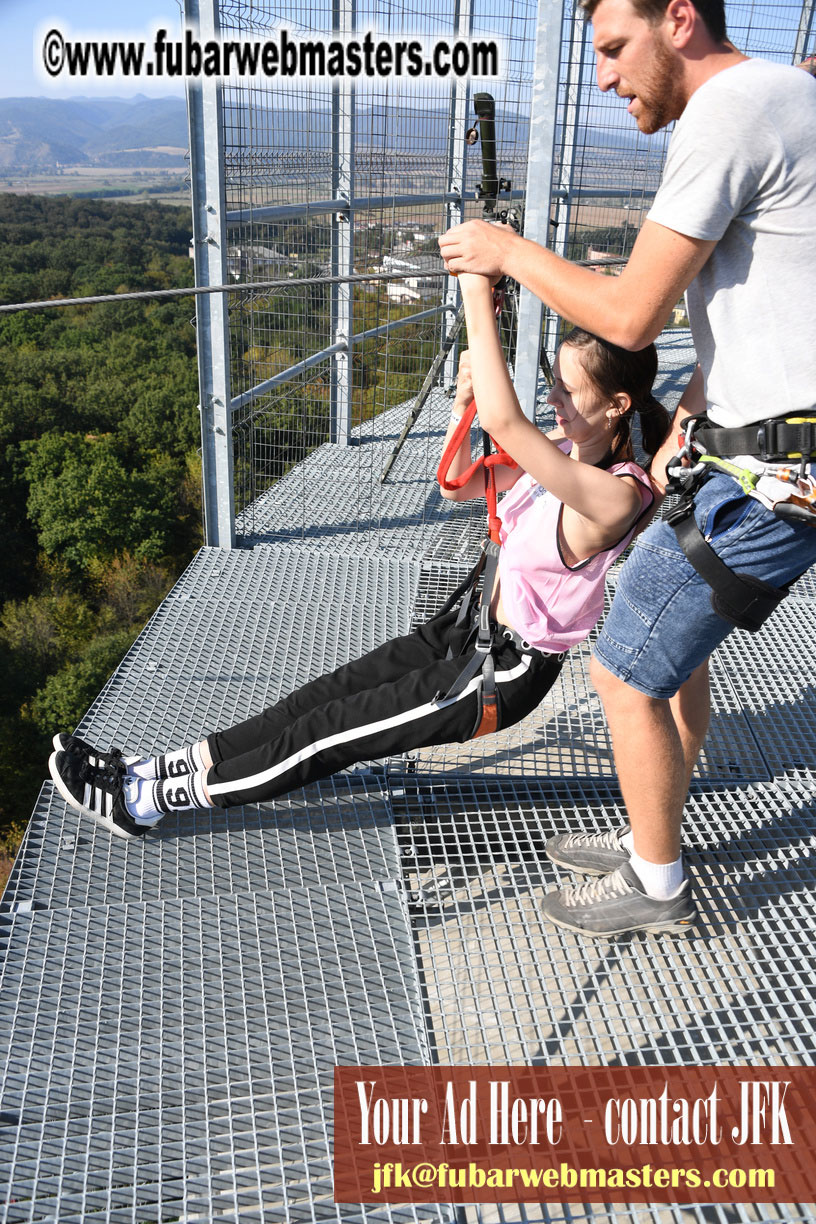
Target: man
<point>734,225</point>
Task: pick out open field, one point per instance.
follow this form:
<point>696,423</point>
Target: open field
<point>139,184</point>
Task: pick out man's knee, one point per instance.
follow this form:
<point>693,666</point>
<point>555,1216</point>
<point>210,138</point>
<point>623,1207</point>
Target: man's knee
<point>615,693</point>
<point>605,682</point>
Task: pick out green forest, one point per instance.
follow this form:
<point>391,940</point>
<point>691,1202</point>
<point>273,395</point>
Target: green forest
<point>100,493</point>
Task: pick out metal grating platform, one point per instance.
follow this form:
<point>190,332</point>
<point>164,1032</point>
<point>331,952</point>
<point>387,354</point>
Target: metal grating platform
<point>336,832</point>
<point>172,1009</point>
<point>503,986</point>
<point>242,628</point>
<point>204,661</point>
<point>175,1060</point>
<point>335,497</point>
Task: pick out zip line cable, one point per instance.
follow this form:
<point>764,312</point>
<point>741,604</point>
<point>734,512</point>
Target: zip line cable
<point>196,290</point>
<point>357,278</point>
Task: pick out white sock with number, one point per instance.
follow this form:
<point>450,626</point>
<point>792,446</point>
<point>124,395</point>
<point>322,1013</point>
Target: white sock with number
<point>148,800</point>
<point>175,764</point>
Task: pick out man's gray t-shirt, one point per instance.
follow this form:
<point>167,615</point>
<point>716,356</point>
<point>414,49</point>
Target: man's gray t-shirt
<point>741,169</point>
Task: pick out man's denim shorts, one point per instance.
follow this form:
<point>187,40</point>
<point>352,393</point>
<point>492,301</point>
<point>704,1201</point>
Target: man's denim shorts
<point>661,625</point>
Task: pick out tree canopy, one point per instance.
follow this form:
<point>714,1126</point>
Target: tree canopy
<point>99,438</point>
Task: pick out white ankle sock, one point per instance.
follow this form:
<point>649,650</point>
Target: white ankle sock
<point>145,768</point>
<point>659,880</point>
<point>149,799</point>
<point>182,794</point>
<point>139,800</point>
<point>177,763</point>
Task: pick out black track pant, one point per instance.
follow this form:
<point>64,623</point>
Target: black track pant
<point>378,706</point>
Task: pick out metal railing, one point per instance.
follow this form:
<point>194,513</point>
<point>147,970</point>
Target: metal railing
<point>299,181</point>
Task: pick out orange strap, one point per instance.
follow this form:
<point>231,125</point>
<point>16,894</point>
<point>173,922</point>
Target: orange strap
<point>490,717</point>
<point>487,461</point>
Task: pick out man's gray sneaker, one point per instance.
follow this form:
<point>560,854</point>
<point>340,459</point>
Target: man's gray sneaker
<point>589,853</point>
<point>616,904</point>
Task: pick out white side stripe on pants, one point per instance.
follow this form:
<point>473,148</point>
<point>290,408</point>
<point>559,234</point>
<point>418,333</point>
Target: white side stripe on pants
<point>385,724</point>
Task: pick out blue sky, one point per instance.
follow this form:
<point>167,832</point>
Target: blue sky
<point>20,20</point>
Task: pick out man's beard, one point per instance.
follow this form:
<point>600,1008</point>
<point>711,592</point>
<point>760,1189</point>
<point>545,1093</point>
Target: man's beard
<point>659,97</point>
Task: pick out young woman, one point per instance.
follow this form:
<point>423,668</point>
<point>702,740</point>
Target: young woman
<point>571,507</point>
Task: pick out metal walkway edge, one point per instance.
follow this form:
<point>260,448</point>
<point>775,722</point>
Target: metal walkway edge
<point>172,1009</point>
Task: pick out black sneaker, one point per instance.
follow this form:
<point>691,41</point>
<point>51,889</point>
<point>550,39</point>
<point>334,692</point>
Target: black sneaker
<point>589,853</point>
<point>616,904</point>
<point>81,748</point>
<point>95,790</point>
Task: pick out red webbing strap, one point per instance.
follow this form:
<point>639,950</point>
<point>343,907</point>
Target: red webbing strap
<point>488,462</point>
<point>490,717</point>
<point>489,712</point>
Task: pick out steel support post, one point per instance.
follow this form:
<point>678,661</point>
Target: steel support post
<point>205,119</point>
<point>564,180</point>
<point>803,33</point>
<point>342,236</point>
<point>455,203</point>
<point>539,188</point>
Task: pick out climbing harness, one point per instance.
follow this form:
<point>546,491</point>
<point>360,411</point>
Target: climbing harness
<point>755,456</point>
<point>481,662</point>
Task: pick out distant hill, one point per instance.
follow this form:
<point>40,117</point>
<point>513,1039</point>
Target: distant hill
<point>37,134</point>
<point>41,133</point>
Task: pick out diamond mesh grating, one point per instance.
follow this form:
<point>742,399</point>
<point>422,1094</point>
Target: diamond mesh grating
<point>176,1059</point>
<point>771,677</point>
<point>571,1213</point>
<point>503,986</point>
<point>221,645</point>
<point>804,588</point>
<point>334,832</point>
<point>335,498</point>
<point>173,686</point>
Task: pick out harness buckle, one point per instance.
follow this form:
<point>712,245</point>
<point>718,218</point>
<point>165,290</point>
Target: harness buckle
<point>485,635</point>
<point>770,444</point>
<point>680,511</point>
<point>679,477</point>
<point>767,440</point>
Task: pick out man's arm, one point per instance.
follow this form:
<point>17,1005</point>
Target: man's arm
<point>630,310</point>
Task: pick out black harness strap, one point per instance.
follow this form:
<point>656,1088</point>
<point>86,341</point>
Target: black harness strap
<point>745,601</point>
<point>467,585</point>
<point>774,439</point>
<point>481,661</point>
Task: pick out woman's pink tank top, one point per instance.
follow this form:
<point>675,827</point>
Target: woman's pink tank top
<point>551,604</point>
